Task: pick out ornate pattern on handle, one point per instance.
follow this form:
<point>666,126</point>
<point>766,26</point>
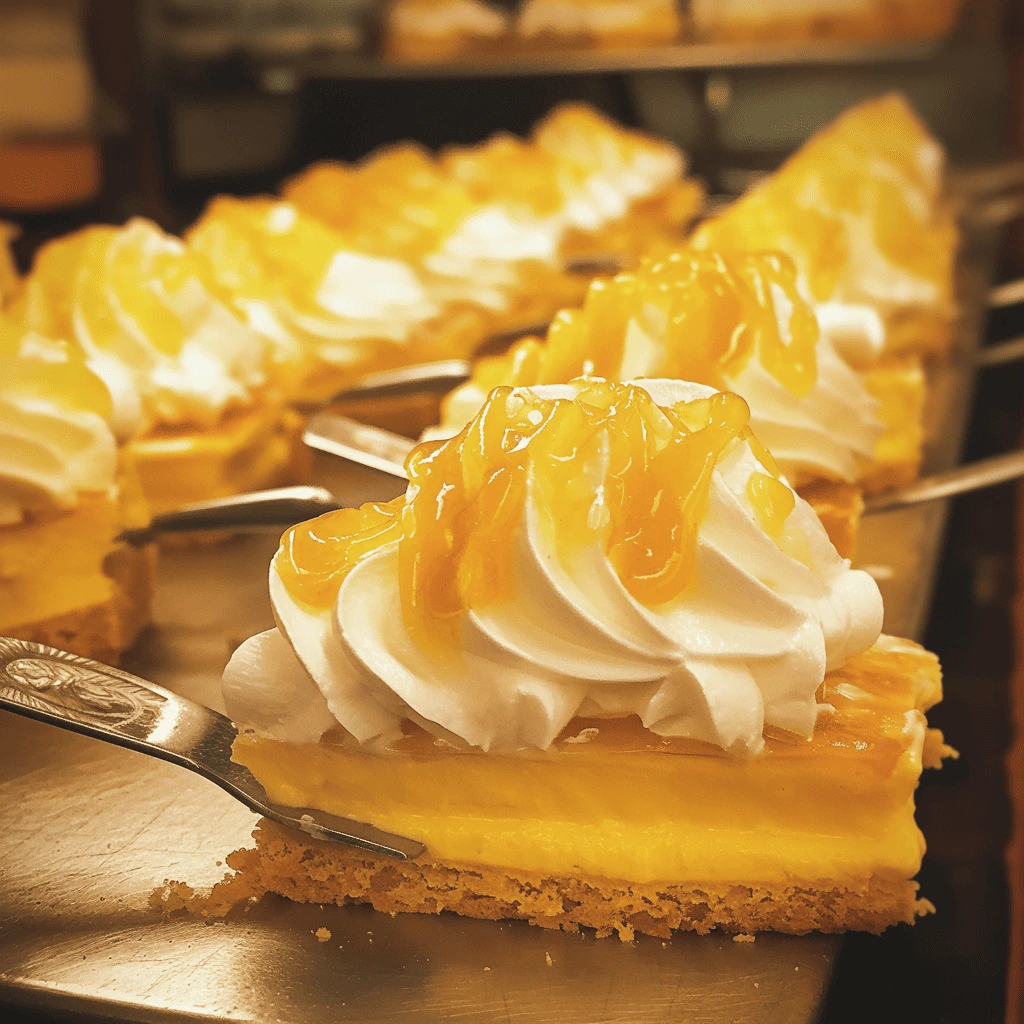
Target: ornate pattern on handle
<point>45,680</point>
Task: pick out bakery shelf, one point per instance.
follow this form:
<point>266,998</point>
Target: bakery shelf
<point>679,57</point>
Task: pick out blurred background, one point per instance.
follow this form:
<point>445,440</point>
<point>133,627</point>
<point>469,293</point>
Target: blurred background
<point>115,108</point>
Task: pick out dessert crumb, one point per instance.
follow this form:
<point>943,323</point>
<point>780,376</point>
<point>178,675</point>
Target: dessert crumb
<point>583,736</point>
<point>487,968</point>
<point>743,937</point>
<point>757,984</point>
<point>548,960</point>
<point>322,934</point>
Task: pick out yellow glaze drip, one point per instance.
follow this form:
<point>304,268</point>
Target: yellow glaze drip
<point>772,501</point>
<point>713,312</point>
<point>619,470</point>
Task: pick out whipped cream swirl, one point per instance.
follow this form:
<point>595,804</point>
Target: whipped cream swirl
<point>218,364</point>
<point>49,452</point>
<point>746,646</point>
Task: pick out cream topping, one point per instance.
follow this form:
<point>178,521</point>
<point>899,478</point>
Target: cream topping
<point>747,645</point>
<point>49,451</point>
<point>218,364</point>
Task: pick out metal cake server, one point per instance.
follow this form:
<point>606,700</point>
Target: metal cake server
<point>383,450</point>
<point>96,700</point>
<point>279,506</point>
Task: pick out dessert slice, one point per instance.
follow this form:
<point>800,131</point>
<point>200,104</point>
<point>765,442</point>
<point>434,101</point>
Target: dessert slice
<point>343,310</point>
<point>432,30</point>
<point>607,666</point>
<point>625,191</point>
<point>476,257</point>
<point>860,210</point>
<point>198,396</point>
<point>66,493</point>
<point>740,21</point>
<point>598,24</point>
<point>737,322</point>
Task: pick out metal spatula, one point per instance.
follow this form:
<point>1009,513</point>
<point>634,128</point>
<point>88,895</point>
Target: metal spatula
<point>96,700</point>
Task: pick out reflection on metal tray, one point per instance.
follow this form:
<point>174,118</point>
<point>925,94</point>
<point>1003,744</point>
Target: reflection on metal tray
<point>91,830</point>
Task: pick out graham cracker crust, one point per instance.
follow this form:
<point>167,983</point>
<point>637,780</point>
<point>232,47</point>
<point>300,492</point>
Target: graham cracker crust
<point>310,871</point>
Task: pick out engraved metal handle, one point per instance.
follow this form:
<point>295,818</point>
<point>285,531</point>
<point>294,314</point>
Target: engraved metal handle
<point>279,506</point>
<point>108,704</point>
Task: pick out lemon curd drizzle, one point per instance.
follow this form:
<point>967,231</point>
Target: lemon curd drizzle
<point>609,466</point>
<point>42,368</point>
<point>715,312</point>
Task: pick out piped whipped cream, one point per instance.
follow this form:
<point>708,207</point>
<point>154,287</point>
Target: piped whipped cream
<point>769,609</point>
<point>52,447</point>
<point>479,262</point>
<point>608,168</point>
<point>303,286</point>
<point>167,349</point>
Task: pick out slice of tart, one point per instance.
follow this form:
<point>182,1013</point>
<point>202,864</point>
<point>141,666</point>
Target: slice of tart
<point>198,395</point>
<point>607,666</point>
<point>438,30</point>
<point>860,209</point>
<point>66,493</point>
<point>597,24</point>
<point>735,321</point>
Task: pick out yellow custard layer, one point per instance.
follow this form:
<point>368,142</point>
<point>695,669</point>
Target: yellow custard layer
<point>615,801</point>
<point>58,564</point>
<point>248,450</point>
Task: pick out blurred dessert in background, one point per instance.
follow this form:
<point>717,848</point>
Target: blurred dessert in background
<point>597,24</point>
<point>756,22</point>
<point>424,30</point>
<point>860,210</point>
<point>66,493</point>
<point>49,152</point>
<point>605,664</point>
<point>196,398</point>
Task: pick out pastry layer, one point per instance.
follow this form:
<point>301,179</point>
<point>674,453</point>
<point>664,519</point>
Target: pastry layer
<point>611,800</point>
<point>899,385</point>
<point>839,506</point>
<point>249,450</point>
<point>307,871</point>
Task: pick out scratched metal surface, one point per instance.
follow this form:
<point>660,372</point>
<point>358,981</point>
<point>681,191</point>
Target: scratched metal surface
<point>91,830</point>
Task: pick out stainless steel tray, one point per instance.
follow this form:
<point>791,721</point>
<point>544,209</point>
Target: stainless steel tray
<point>90,831</point>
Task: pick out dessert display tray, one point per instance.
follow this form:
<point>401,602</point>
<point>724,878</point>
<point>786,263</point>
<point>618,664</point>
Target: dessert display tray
<point>90,831</point>
<point>677,57</point>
